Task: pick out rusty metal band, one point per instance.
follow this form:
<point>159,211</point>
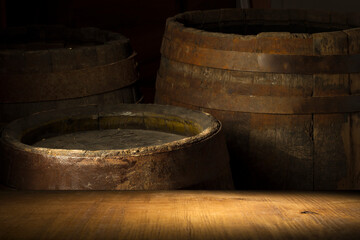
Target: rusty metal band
<point>207,98</point>
<point>84,82</point>
<point>259,62</point>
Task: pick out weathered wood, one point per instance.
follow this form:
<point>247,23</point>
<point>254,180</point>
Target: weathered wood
<point>64,65</point>
<point>33,87</point>
<point>198,160</point>
<point>353,141</point>
<point>285,85</point>
<point>179,215</point>
<point>84,47</point>
<point>261,104</point>
<point>11,111</point>
<point>266,151</point>
<point>260,62</point>
<point>331,131</point>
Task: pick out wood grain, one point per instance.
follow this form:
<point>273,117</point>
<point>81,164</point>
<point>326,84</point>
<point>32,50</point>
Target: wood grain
<point>353,153</point>
<point>179,215</point>
<point>332,132</point>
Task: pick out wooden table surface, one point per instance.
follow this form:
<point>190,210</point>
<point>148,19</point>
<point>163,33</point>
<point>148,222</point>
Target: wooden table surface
<point>179,215</point>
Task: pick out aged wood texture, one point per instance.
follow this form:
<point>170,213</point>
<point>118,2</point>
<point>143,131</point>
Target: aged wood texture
<point>179,215</point>
<point>54,65</point>
<point>11,111</point>
<point>199,160</point>
<point>31,87</point>
<point>285,84</point>
<point>332,131</point>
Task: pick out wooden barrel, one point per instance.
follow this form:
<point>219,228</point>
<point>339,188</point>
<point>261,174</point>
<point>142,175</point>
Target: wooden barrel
<point>47,67</point>
<point>121,147</point>
<point>284,83</point>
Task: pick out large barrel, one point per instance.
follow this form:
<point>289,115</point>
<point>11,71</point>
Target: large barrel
<point>46,67</point>
<point>121,147</point>
<point>284,83</point>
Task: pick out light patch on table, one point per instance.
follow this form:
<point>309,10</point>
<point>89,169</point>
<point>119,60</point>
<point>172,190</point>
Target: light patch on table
<point>108,139</point>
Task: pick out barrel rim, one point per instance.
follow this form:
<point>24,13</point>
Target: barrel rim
<point>114,46</point>
<point>12,133</point>
<point>115,38</point>
<point>352,18</point>
<point>278,52</point>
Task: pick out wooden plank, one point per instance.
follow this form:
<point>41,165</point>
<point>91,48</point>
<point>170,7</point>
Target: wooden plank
<point>179,215</point>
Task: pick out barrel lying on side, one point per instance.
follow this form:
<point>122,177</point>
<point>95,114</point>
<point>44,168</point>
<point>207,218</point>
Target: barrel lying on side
<point>47,67</point>
<point>284,83</point>
<point>124,147</point>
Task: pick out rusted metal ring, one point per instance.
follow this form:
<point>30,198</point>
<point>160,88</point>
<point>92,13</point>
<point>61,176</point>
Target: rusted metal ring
<point>259,62</point>
<point>258,104</point>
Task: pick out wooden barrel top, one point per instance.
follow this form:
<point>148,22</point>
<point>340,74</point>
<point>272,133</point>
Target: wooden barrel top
<point>47,63</point>
<point>179,215</point>
<point>115,147</point>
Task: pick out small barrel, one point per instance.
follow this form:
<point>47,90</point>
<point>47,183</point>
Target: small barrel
<point>48,67</point>
<point>122,147</point>
<point>284,83</point>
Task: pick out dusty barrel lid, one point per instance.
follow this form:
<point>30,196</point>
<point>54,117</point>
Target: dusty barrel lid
<point>115,147</point>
